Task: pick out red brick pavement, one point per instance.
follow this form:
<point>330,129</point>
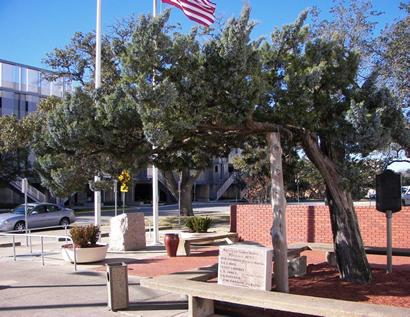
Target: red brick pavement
<point>208,255</point>
<point>161,265</point>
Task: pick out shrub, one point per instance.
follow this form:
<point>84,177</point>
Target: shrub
<point>198,224</point>
<point>85,236</point>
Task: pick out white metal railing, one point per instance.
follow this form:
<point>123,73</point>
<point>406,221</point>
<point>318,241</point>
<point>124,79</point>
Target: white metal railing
<point>32,192</point>
<point>29,237</point>
<point>225,186</point>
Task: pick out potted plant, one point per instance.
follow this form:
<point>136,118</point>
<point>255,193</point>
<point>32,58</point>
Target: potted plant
<point>197,226</point>
<point>85,246</point>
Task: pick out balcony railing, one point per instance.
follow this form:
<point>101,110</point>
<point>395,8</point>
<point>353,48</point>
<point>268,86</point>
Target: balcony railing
<point>23,78</point>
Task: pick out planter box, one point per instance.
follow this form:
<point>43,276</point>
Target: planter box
<point>84,255</point>
<point>188,235</point>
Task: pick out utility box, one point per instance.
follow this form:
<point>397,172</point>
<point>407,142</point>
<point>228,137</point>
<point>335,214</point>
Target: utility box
<point>117,286</point>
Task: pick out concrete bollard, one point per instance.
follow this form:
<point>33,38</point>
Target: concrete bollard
<point>117,286</point>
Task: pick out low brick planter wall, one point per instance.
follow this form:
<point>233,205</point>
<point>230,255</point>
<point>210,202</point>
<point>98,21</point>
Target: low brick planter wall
<point>312,224</point>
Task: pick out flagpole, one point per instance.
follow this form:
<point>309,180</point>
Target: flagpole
<point>155,212</point>
<point>97,194</point>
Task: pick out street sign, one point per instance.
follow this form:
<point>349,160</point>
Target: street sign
<point>124,188</point>
<point>388,200</point>
<point>388,191</point>
<point>24,185</point>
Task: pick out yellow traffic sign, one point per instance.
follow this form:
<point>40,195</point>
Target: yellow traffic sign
<point>124,188</point>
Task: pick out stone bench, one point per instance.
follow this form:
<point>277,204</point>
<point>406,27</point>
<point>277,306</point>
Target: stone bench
<point>297,263</point>
<point>383,251</point>
<point>201,297</point>
<point>186,239</point>
<point>330,252</point>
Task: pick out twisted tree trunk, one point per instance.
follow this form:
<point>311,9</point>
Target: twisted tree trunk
<point>350,254</point>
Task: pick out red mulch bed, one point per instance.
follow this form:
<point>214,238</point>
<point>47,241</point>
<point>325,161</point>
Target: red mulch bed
<point>385,289</point>
<point>323,280</point>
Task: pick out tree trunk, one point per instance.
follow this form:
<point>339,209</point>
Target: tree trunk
<point>278,202</point>
<point>171,183</point>
<point>186,201</point>
<point>350,254</point>
<point>187,181</point>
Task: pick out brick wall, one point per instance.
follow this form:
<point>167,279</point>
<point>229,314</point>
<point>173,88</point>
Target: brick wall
<point>312,224</point>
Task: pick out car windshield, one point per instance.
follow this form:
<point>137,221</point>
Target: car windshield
<point>20,209</point>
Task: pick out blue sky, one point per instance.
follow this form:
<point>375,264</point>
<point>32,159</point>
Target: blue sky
<point>31,28</point>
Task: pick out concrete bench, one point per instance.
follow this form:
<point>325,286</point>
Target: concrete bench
<point>297,263</point>
<point>328,247</point>
<point>330,252</point>
<point>185,240</point>
<point>383,251</point>
<point>201,297</point>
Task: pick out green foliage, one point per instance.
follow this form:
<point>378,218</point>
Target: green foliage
<point>117,133</point>
<point>394,63</point>
<point>76,62</point>
<point>198,224</point>
<point>14,141</point>
<point>77,140</point>
<point>85,236</point>
<point>253,168</point>
<point>307,183</point>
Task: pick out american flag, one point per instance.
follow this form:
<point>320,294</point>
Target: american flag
<point>200,11</point>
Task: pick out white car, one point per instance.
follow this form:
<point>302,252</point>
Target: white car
<point>405,195</point>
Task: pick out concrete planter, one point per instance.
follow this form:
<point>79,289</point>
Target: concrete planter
<point>188,235</point>
<point>84,255</point>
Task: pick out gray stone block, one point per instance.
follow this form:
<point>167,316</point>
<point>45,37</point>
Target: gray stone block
<point>127,232</point>
<point>331,258</point>
<point>297,266</point>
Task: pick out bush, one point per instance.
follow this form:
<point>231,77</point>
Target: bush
<point>85,236</point>
<point>198,224</point>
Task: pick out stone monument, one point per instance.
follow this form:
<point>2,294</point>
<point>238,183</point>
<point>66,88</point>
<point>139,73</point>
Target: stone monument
<point>244,265</point>
<point>127,232</point>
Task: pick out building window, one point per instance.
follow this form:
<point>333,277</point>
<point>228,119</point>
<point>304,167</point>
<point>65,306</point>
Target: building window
<point>230,168</point>
<point>1,105</point>
<point>216,168</point>
<point>26,105</point>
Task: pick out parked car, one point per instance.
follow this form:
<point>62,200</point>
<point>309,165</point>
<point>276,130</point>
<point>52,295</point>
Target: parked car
<point>38,216</point>
<point>405,195</point>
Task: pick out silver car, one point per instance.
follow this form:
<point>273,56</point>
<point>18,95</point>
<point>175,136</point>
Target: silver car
<point>38,216</point>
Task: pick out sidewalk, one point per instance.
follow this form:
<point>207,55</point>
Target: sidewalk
<point>55,290</point>
<point>29,289</point>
